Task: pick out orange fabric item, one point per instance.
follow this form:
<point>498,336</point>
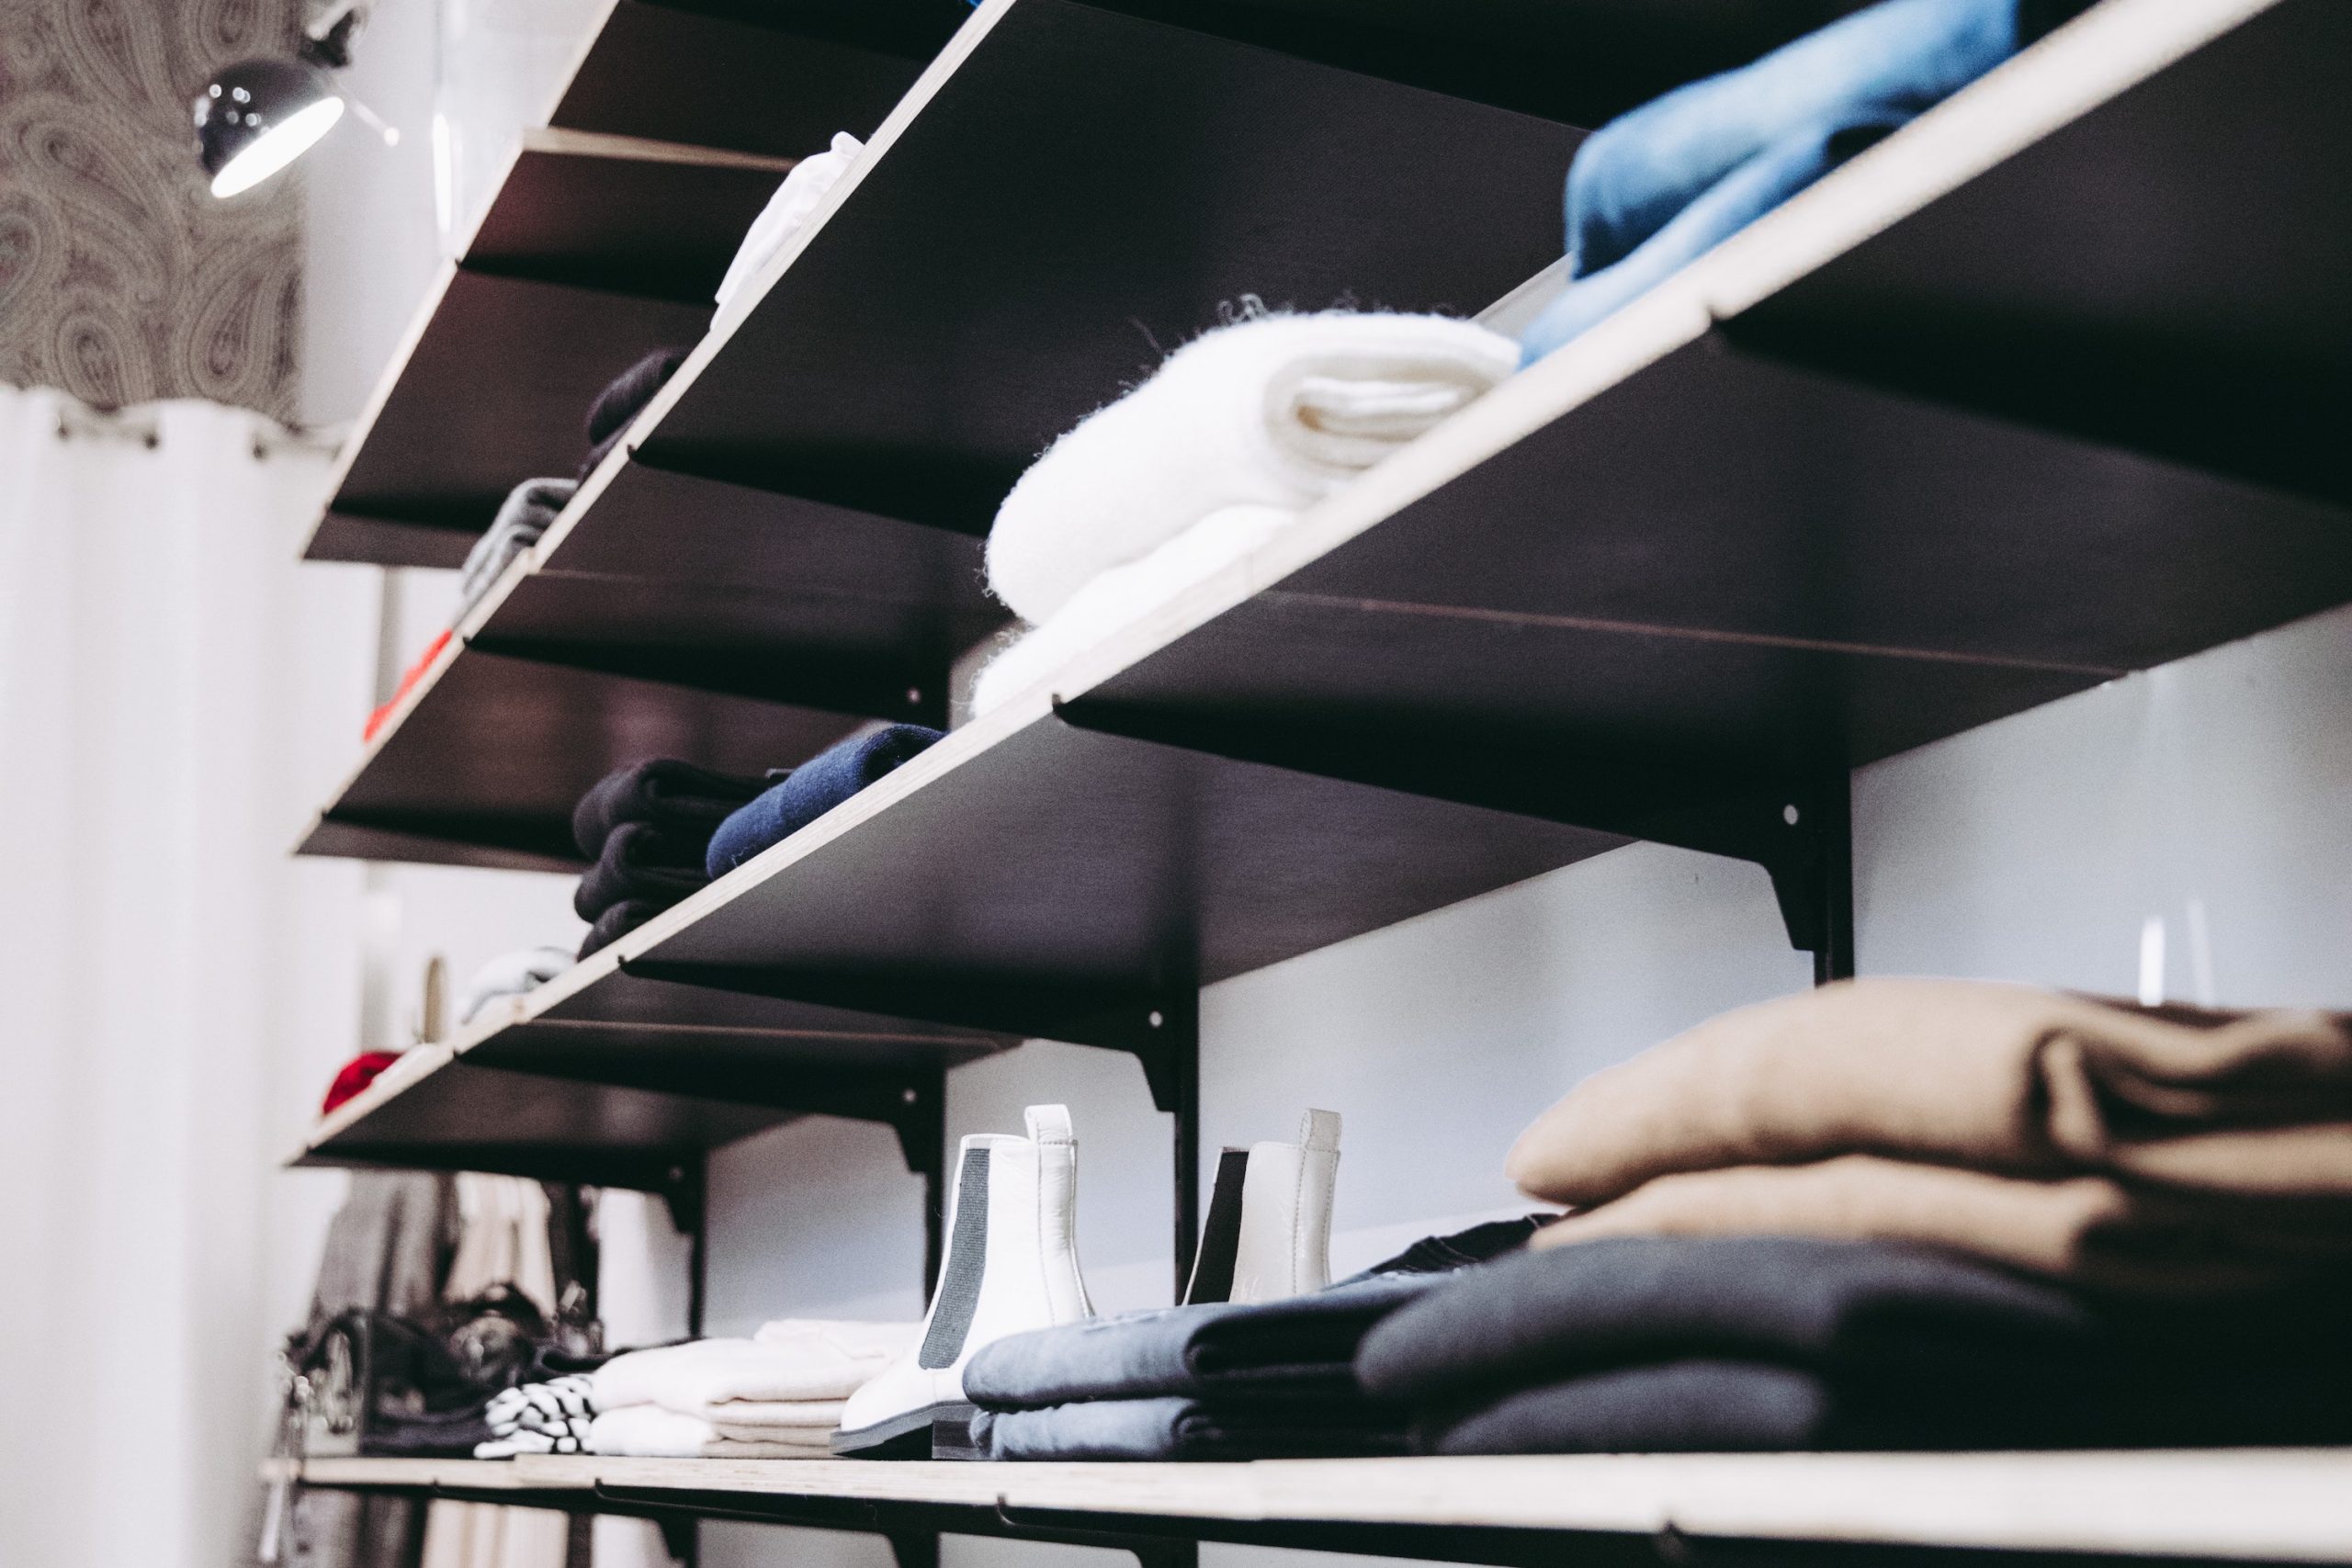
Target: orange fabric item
<point>408,683</point>
<point>356,1076</point>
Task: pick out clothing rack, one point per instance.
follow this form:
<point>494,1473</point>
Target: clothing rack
<point>1884,466</point>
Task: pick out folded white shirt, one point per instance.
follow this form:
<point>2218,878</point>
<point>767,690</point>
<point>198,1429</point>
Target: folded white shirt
<point>646,1431</point>
<point>1278,411</point>
<point>792,1360</point>
<point>788,210</point>
<point>512,974</point>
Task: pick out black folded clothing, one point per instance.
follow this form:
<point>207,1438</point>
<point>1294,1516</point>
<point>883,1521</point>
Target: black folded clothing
<point>1177,1428</point>
<point>622,399</point>
<point>448,1434</point>
<point>1462,1249</point>
<point>1543,1316</point>
<point>617,923</point>
<point>1301,1347</point>
<point>641,863</point>
<point>686,800</point>
<point>1772,1342</point>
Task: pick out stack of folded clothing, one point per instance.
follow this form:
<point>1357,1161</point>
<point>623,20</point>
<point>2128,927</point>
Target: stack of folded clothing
<point>1653,189</point>
<point>1923,1214</point>
<point>648,828</point>
<point>777,1396</point>
<point>1230,441</point>
<point>524,516</point>
<point>1268,1380</point>
<point>810,789</point>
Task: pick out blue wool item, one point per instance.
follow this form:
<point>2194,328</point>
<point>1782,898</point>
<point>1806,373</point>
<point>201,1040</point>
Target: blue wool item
<point>812,789</point>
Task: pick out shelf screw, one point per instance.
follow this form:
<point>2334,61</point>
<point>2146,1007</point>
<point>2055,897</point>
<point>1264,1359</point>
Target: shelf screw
<point>907,1096</point>
<point>1157,1018</point>
<point>914,695</point>
<point>1788,814</point>
<point>677,1173</point>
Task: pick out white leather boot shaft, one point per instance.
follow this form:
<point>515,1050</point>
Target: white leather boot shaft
<point>1285,1246</point>
<point>1011,1265</point>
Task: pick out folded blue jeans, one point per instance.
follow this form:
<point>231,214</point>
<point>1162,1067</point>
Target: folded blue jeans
<point>1656,188</point>
<point>812,789</point>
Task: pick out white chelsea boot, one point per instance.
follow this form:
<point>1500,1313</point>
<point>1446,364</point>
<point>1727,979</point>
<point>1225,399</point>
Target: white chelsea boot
<point>1284,1248</point>
<point>1012,1266</point>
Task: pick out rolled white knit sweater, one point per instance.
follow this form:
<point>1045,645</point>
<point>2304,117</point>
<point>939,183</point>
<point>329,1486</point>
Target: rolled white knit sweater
<point>1279,412</point>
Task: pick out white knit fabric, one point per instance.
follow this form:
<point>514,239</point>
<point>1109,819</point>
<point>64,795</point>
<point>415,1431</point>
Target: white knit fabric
<point>648,1431</point>
<point>1279,411</point>
<point>788,210</point>
<point>1124,595</point>
<point>791,1361</point>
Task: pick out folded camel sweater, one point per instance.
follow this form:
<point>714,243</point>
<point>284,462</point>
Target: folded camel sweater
<point>1279,411</point>
<point>1994,1078</point>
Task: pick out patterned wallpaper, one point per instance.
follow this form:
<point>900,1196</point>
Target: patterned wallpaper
<point>121,278</point>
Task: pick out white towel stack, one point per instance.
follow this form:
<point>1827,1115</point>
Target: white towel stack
<point>1238,434</point>
<point>777,1396</point>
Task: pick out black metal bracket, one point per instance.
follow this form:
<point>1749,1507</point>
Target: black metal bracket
<point>1793,822</point>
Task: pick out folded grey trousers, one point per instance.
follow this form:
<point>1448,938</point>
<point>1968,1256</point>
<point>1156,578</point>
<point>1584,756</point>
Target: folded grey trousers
<point>1179,1428</point>
<point>1302,1346</point>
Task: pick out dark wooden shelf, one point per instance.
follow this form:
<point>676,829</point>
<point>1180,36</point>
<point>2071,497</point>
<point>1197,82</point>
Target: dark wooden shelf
<point>604,1078</point>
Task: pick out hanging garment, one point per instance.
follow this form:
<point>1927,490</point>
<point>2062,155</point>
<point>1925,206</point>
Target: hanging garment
<point>486,1535</point>
<point>1279,411</point>
<point>678,797</point>
<point>641,864</point>
<point>523,517</point>
<point>813,788</point>
<point>788,212</point>
<point>1658,187</point>
<point>1991,1076</point>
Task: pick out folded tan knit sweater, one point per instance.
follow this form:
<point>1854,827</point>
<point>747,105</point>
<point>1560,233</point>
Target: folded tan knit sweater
<point>2091,1230</point>
<point>1989,1078</point>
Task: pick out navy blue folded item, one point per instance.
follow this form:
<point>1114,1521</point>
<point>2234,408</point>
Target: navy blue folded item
<point>675,796</point>
<point>813,788</point>
<point>1177,1428</point>
<point>616,923</point>
<point>1656,188</point>
<point>622,399</point>
<point>1547,1315</point>
<point>640,863</point>
<point>1301,1347</point>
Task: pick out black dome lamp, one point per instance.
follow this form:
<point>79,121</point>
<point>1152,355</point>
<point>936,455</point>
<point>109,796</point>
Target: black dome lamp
<point>257,116</point>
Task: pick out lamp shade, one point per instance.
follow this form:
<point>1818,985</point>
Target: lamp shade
<point>259,116</point>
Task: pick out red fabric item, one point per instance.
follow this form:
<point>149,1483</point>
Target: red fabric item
<point>356,1076</point>
<point>408,683</point>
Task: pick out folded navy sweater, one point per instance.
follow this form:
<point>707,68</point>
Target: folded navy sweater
<point>812,789</point>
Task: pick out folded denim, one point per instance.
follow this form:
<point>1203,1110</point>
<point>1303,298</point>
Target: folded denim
<point>640,863</point>
<point>622,399</point>
<point>1179,1428</point>
<point>522,518</point>
<point>1658,187</point>
<point>679,796</point>
<point>1741,197</point>
<point>812,789</point>
<point>1545,1316</point>
<point>1301,1347</point>
<point>616,923</point>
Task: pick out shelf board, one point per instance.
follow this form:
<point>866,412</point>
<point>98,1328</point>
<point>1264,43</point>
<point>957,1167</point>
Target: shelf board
<point>952,311</point>
<point>484,760</point>
<point>595,250</point>
<point>2284,1505</point>
<point>605,1077</point>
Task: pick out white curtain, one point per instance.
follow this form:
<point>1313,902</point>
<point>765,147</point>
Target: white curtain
<point>175,989</point>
